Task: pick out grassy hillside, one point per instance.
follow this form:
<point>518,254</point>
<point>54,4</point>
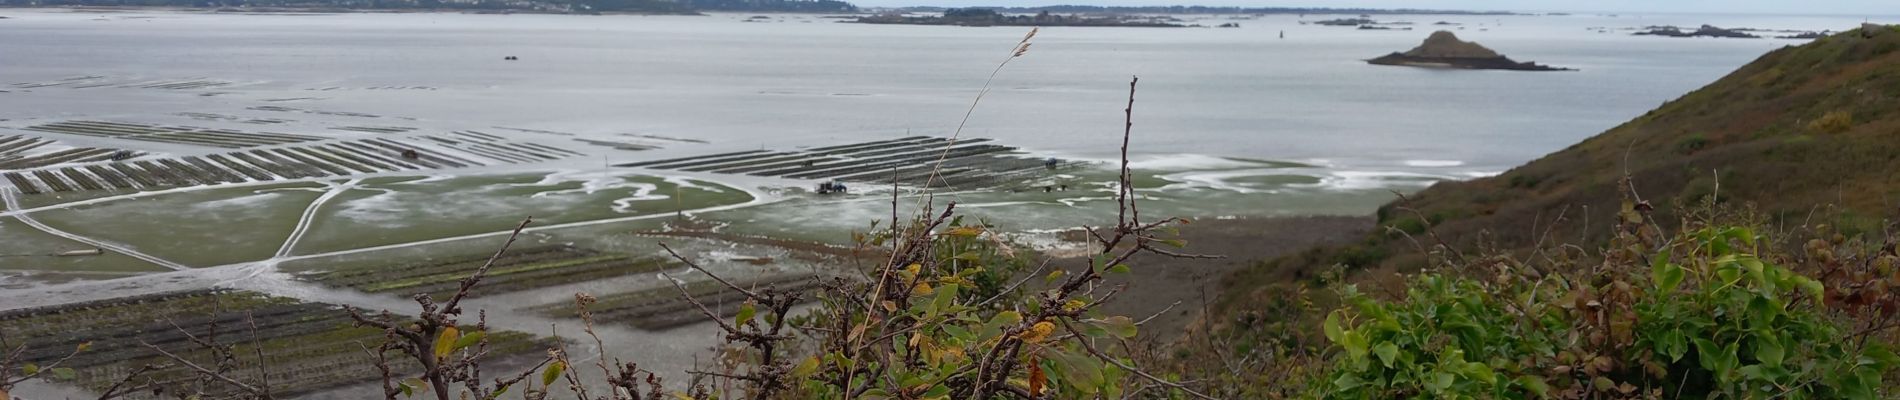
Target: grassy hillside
<point>1798,130</point>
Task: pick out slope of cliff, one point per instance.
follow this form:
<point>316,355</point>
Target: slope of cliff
<point>1807,134</point>
<point>1446,44</point>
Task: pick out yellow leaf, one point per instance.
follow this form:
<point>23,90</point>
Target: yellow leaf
<point>446,343</point>
<point>922,289</point>
<point>805,368</point>
<point>954,354</point>
<point>1072,305</point>
<point>913,270</point>
<point>966,231</point>
<point>1038,332</point>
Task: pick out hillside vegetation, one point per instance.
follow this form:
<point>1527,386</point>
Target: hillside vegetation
<point>1792,133</point>
<point>1590,269</point>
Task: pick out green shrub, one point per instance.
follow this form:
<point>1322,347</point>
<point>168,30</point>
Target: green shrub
<point>1449,339</point>
<point>1411,226</point>
<point>1707,318</point>
<point>1361,256</point>
<point>1692,144</point>
<point>1525,181</point>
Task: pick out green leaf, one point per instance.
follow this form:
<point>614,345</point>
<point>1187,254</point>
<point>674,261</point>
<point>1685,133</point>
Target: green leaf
<point>1727,270</point>
<point>1666,274</point>
<point>1813,288</point>
<point>552,372</point>
<point>1740,234</point>
<point>1754,268</point>
<point>745,313</point>
<point>1868,377</point>
<point>1054,275</point>
<point>413,385</point>
<point>1708,354</point>
<point>445,343</point>
<point>1535,385</point>
<point>1120,326</point>
<point>1768,350</point>
<point>29,369</point>
<point>1440,381</point>
<point>1387,353</point>
<point>1603,384</point>
<point>1334,332</point>
<point>471,339</point>
<point>1481,372</point>
<point>1006,318</point>
<point>1356,344</point>
<point>65,374</point>
<point>1081,372</point>
<point>1118,269</point>
<point>1347,382</point>
<point>958,333</point>
<point>946,297</point>
<point>499,391</point>
<point>1717,359</point>
<point>1673,344</point>
<point>1099,263</point>
<point>1879,357</point>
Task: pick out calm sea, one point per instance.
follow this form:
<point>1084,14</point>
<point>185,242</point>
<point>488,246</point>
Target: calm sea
<point>806,80</point>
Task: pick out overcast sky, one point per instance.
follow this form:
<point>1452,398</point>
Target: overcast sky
<point>1851,7</point>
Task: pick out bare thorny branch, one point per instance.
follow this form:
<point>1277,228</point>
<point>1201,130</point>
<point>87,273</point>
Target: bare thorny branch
<point>911,246</point>
<point>436,323</point>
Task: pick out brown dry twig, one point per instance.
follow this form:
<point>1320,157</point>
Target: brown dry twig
<point>418,339</point>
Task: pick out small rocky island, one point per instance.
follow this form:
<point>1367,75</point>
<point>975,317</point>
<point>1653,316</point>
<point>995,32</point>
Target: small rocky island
<point>1444,50</point>
<point>1704,31</point>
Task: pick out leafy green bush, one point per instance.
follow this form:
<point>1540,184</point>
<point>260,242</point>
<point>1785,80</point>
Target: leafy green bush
<point>1706,318</point>
<point>1361,256</point>
<point>1412,226</point>
<point>1692,144</point>
<point>1525,181</point>
<point>1752,327</point>
<point>1449,338</point>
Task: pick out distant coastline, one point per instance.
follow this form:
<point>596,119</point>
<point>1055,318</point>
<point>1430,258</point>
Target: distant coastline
<point>330,10</point>
<point>989,17</point>
<point>1110,10</point>
<point>684,7</point>
<point>583,7</point>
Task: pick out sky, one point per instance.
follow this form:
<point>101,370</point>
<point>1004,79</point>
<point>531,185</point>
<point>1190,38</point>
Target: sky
<point>1846,7</point>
